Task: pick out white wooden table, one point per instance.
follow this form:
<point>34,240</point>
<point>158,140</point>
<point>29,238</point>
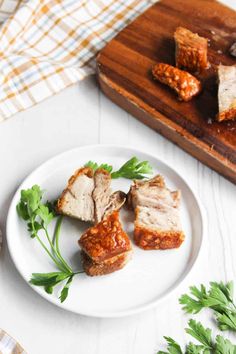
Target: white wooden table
<point>82,115</point>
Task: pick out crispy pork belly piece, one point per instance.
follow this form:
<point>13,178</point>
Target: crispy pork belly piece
<point>89,196</point>
<point>227,92</point>
<point>105,246</point>
<point>190,50</point>
<point>76,200</point>
<point>157,220</point>
<point>185,84</point>
<point>111,265</point>
<point>157,228</point>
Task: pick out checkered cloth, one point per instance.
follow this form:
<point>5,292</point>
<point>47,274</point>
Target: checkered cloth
<point>8,345</point>
<point>47,45</point>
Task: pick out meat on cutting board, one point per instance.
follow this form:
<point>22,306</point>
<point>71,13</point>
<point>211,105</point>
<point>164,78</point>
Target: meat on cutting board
<point>185,84</point>
<point>227,92</point>
<point>190,50</point>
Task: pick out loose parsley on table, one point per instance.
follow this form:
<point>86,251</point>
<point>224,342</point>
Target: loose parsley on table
<point>206,344</point>
<point>219,298</point>
<point>38,217</point>
<point>132,169</point>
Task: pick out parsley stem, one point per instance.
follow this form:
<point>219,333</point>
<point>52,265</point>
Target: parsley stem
<point>56,248</point>
<point>50,255</point>
<point>60,259</point>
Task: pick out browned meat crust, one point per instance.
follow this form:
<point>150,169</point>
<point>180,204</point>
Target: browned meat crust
<point>227,115</point>
<point>191,50</point>
<point>185,84</point>
<point>111,265</point>
<point>149,239</point>
<point>106,245</point>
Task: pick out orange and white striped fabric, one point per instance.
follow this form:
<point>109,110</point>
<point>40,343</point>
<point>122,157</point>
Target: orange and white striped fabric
<point>8,345</point>
<point>47,45</point>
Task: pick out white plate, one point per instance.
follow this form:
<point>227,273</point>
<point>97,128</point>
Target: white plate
<point>148,277</point>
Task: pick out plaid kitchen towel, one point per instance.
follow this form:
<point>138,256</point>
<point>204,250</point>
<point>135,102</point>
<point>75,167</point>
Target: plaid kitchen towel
<point>47,45</point>
<point>8,345</point>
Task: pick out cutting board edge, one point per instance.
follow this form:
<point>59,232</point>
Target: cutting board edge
<point>185,141</point>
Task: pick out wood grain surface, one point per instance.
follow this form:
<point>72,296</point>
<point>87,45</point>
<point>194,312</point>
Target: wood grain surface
<point>124,73</point>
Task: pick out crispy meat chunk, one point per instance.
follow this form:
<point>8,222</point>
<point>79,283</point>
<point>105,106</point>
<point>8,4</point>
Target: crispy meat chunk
<point>227,93</point>
<point>106,247</point>
<point>157,220</point>
<point>76,200</point>
<point>185,84</point>
<point>157,228</point>
<point>108,266</point>
<point>190,50</point>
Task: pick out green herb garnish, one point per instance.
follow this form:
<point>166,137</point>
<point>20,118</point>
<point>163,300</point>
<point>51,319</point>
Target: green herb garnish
<point>38,217</point>
<point>219,298</point>
<point>205,343</point>
<point>132,169</point>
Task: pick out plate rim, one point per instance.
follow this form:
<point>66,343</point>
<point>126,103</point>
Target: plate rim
<point>112,314</point>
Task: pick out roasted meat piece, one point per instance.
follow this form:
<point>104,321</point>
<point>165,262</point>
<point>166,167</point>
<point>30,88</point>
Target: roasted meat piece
<point>157,220</point>
<point>185,84</point>
<point>89,196</point>
<point>227,92</point>
<point>77,200</point>
<point>190,50</point>
<point>105,247</point>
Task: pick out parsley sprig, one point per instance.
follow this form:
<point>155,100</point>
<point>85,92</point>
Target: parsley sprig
<point>38,217</point>
<point>132,169</point>
<point>219,298</point>
<point>205,342</point>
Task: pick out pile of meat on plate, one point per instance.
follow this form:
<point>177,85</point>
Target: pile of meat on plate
<point>105,246</point>
<point>191,55</point>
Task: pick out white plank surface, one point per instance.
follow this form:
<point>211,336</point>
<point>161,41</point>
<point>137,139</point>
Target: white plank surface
<point>82,115</point>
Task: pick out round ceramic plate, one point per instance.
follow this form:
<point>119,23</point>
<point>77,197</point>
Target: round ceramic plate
<point>146,279</point>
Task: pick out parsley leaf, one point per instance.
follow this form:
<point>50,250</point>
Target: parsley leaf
<point>38,216</point>
<point>201,334</point>
<point>172,346</point>
<point>219,298</point>
<point>132,169</point>
<point>95,166</point>
<point>206,344</point>
<point>224,346</point>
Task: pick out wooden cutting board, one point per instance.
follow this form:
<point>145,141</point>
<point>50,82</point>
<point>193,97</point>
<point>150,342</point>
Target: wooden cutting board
<point>124,73</point>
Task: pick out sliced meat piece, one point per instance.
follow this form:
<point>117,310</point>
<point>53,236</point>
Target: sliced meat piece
<point>152,193</point>
<point>227,92</point>
<point>116,201</point>
<point>106,247</point>
<point>76,200</point>
<point>190,50</point>
<point>157,220</point>
<point>109,266</point>
<point>157,228</point>
<point>89,196</point>
<point>101,193</point>
<point>185,84</point>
